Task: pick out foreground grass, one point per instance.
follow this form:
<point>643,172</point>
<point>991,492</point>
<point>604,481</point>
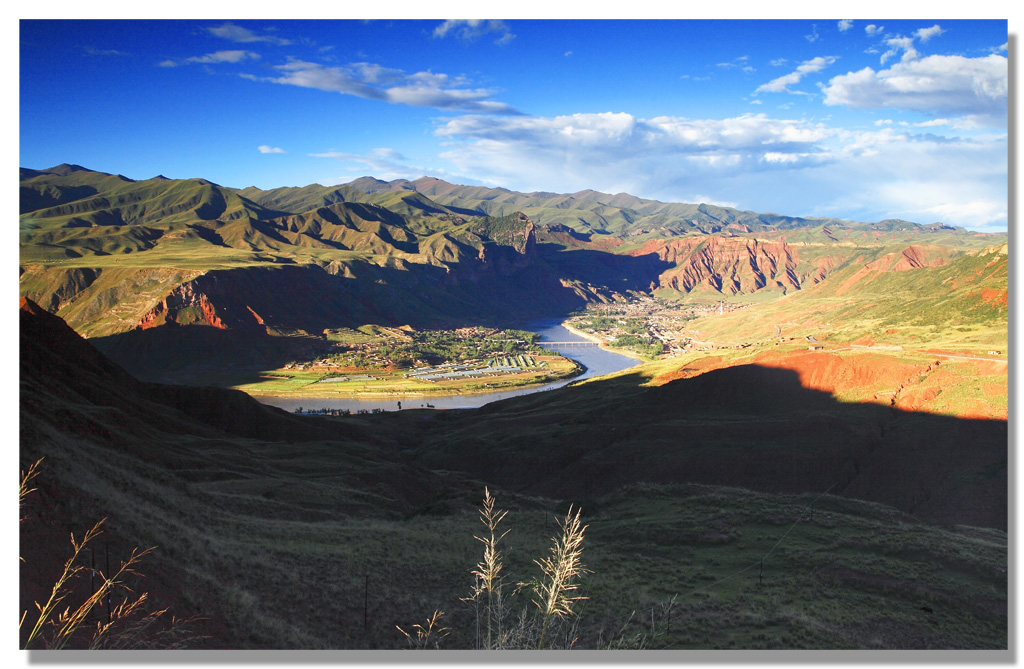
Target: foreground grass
<point>287,548</point>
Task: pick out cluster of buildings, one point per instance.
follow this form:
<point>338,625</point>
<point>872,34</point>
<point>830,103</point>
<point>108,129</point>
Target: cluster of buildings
<point>666,322</point>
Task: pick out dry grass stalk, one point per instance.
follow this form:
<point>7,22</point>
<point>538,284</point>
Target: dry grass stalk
<point>554,593</point>
<point>430,635</point>
<point>488,570</point>
<point>124,628</point>
<point>23,489</point>
<point>65,624</point>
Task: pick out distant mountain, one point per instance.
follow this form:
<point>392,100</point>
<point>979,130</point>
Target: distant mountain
<point>621,214</point>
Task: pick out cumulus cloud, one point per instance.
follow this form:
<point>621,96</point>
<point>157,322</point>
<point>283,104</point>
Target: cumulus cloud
<point>621,152</point>
<point>897,44</point>
<point>782,84</point>
<point>872,29</point>
<point>789,166</point>
<point>943,85</point>
<point>235,33</point>
<point>925,34</point>
<point>471,29</point>
<point>845,24</point>
<point>375,82</point>
<point>264,148</point>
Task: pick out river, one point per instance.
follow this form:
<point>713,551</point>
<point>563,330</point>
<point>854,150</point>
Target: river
<point>598,362</point>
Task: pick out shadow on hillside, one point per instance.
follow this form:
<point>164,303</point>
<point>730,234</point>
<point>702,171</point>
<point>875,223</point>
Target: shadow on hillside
<point>601,268</point>
<point>746,426</point>
<point>259,306</point>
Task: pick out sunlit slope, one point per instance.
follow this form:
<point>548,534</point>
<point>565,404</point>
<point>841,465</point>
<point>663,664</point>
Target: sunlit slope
<point>135,256</point>
<point>890,332</point>
<point>889,298</point>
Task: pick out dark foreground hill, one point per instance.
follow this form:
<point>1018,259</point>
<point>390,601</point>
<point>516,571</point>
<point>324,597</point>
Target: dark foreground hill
<point>296,532</point>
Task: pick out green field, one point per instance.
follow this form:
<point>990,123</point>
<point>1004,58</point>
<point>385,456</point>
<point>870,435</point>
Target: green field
<point>312,383</point>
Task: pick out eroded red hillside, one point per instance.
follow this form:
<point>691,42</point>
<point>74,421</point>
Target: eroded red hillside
<point>879,378</point>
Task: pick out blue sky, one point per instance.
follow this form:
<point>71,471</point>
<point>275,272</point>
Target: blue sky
<point>861,119</point>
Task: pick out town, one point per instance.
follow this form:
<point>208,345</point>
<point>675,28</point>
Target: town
<point>647,326</point>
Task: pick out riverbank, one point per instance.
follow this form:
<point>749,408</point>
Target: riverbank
<point>603,343</point>
<point>594,360</point>
<point>332,391</point>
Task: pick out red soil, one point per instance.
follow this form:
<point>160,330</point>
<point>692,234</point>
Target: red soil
<point>866,340</point>
<point>994,297</point>
<point>870,377</point>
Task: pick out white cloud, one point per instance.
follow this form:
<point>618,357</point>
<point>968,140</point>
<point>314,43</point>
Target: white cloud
<point>233,56</point>
<point>738,63</point>
<point>619,152</point>
<point>897,44</point>
<point>925,34</point>
<point>624,134</point>
<point>229,56</point>
<point>264,148</point>
<point>93,51</point>
<point>945,85</point>
<point>471,29</point>
<point>375,82</point>
<point>383,163</point>
<point>782,84</point>
<point>794,167</point>
<point>922,178</point>
<point>872,29</point>
<point>234,33</point>
<point>845,24</point>
<point>707,199</point>
<point>975,213</point>
<point>814,36</point>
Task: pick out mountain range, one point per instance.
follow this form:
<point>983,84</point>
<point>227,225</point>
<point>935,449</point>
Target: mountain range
<point>120,259</point>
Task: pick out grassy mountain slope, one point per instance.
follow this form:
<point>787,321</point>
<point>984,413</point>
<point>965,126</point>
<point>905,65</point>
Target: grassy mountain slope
<point>629,216</point>
<point>145,255</point>
<point>887,298</point>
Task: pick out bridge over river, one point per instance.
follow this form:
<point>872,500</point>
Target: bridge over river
<point>560,344</point>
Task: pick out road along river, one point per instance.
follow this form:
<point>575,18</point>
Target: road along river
<point>598,361</point>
